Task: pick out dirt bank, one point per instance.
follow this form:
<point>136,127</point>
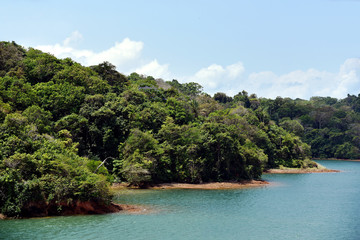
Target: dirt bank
<point>43,209</point>
<point>299,170</point>
<point>210,186</point>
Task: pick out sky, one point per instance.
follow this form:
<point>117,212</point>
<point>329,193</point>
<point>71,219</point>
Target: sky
<point>295,49</point>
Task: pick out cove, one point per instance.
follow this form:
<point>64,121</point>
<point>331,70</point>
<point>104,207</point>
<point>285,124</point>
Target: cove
<point>293,206</point>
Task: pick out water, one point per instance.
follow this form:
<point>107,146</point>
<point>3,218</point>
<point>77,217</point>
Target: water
<point>294,206</point>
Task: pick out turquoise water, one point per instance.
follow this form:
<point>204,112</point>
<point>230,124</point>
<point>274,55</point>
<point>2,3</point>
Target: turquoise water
<point>294,206</point>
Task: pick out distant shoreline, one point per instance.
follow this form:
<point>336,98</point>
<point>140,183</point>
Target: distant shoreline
<point>299,170</point>
<point>337,159</point>
<point>204,186</point>
<point>227,185</point>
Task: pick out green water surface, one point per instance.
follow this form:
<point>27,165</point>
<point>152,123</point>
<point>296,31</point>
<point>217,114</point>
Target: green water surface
<point>294,206</point>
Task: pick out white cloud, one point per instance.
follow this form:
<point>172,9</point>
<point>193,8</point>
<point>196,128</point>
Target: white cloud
<point>296,84</point>
<point>154,69</point>
<point>124,55</point>
<point>75,37</point>
<point>304,84</point>
<point>216,78</point>
<point>119,54</point>
<point>348,78</point>
<point>58,50</point>
<point>231,79</point>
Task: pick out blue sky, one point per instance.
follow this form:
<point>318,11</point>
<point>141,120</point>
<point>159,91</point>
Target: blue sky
<point>271,48</point>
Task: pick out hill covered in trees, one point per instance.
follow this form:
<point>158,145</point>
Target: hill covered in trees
<point>60,120</point>
<point>330,126</point>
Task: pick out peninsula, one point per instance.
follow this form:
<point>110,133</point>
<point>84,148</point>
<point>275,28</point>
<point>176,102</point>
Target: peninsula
<point>68,132</point>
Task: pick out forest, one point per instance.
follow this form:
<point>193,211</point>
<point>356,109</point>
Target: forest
<point>68,131</point>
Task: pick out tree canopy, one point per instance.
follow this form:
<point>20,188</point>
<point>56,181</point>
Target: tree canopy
<point>59,120</point>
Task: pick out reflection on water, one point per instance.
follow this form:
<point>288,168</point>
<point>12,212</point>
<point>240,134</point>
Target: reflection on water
<point>298,206</point>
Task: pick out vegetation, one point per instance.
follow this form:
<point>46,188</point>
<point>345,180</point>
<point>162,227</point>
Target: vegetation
<point>329,125</point>
<point>59,120</point>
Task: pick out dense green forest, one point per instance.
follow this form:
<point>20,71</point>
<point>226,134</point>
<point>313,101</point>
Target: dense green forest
<point>330,126</point>
<point>60,120</point>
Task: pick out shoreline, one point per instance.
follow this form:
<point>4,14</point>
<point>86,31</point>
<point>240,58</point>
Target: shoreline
<point>201,186</point>
<point>126,208</point>
<point>299,171</point>
<point>213,185</point>
<point>336,159</point>
<point>41,210</point>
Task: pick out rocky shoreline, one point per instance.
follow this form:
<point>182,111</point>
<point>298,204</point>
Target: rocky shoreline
<point>43,209</point>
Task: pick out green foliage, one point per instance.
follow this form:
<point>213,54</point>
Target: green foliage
<point>11,56</point>
<point>78,126</point>
<point>327,124</point>
<point>17,93</point>
<point>222,98</point>
<point>59,120</point>
<point>140,153</point>
<point>293,126</point>
<point>39,117</point>
<point>40,67</point>
<point>207,105</point>
<point>41,168</point>
<point>81,76</point>
<point>60,99</point>
<point>179,110</point>
<point>107,72</point>
<point>192,89</point>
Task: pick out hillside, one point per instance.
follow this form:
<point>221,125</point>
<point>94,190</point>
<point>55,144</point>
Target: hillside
<point>59,120</point>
